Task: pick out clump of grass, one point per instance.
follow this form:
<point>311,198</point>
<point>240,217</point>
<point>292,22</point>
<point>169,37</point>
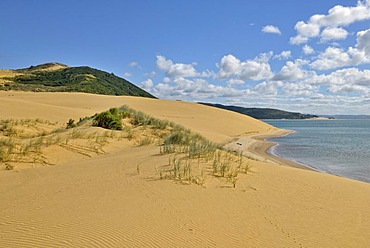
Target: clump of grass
<point>138,168</point>
<point>232,176</point>
<point>129,132</point>
<point>247,168</point>
<point>146,141</point>
<point>109,119</point>
<point>71,124</point>
<point>186,145</point>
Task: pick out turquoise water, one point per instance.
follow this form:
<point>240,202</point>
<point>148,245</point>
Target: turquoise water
<point>339,147</point>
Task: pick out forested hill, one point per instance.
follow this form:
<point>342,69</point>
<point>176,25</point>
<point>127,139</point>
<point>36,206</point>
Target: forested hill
<point>263,113</point>
<point>56,77</point>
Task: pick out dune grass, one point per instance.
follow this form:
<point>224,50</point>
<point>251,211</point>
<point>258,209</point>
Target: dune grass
<point>192,158</point>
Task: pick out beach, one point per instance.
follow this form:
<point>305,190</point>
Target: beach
<point>257,147</point>
<point>116,198</point>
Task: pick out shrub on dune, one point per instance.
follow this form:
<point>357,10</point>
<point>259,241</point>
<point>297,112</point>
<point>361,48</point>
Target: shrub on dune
<point>109,119</point>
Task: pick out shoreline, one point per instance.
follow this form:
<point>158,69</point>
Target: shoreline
<point>261,146</point>
<point>257,146</point>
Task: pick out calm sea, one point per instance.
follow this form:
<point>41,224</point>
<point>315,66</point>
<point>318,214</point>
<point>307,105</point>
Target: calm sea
<point>339,147</point>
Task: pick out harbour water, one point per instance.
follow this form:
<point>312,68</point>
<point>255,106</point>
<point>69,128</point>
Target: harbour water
<point>339,147</point>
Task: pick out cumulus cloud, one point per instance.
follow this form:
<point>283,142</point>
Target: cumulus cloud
<point>147,84</point>
<point>175,69</point>
<point>300,89</point>
<point>292,71</point>
<point>127,74</point>
<point>194,89</point>
<point>334,57</point>
<point>296,85</point>
<point>283,55</point>
<point>345,89</point>
<point>134,64</point>
<point>268,88</point>
<point>307,50</point>
<point>151,74</point>
<point>271,29</point>
<point>233,82</point>
<point>166,80</point>
<point>331,34</point>
<point>257,69</point>
<point>337,18</point>
<point>363,42</point>
<point>352,76</point>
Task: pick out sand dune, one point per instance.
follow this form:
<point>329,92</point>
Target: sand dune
<point>7,74</point>
<point>102,201</point>
<point>215,124</point>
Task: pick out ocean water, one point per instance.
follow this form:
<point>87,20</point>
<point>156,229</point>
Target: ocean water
<point>339,147</point>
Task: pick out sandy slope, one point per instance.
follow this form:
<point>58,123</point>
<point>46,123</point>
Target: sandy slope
<point>103,202</point>
<point>6,74</point>
<point>218,125</point>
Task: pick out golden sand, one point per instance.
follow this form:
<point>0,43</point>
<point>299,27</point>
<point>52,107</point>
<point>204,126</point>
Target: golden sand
<point>101,201</point>
<point>7,74</point>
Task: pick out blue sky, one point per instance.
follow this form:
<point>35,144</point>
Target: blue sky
<point>306,56</point>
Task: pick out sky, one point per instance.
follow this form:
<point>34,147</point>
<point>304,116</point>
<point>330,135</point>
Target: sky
<point>296,55</point>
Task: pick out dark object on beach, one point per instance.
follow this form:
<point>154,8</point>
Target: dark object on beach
<point>239,144</point>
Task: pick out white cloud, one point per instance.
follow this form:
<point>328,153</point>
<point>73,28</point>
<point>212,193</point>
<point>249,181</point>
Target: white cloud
<point>151,74</point>
<point>271,29</point>
<point>299,39</point>
<point>292,71</point>
<point>147,84</point>
<point>363,41</point>
<point>163,64</point>
<point>300,89</point>
<point>295,86</point>
<point>331,58</point>
<point>127,74</point>
<point>283,55</point>
<point>175,70</point>
<point>334,57</point>
<point>166,80</point>
<point>330,34</point>
<point>345,89</point>
<point>194,89</point>
<point>163,89</point>
<point>257,69</point>
<point>337,17</point>
<point>340,80</point>
<point>305,31</point>
<point>307,50</point>
<point>233,81</point>
<point>134,64</point>
<point>268,88</point>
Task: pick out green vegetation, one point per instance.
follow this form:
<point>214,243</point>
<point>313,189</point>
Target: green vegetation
<point>263,113</point>
<point>187,151</point>
<point>72,79</point>
<point>191,157</point>
<point>109,119</point>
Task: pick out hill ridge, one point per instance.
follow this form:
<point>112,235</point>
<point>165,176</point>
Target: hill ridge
<point>58,77</point>
<point>263,113</point>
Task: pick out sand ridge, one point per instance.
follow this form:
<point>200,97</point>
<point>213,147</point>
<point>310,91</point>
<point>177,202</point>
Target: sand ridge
<point>218,125</point>
<point>102,201</point>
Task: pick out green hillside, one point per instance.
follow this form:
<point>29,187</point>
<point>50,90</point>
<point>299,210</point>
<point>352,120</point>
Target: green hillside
<point>71,79</point>
<point>263,113</point>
